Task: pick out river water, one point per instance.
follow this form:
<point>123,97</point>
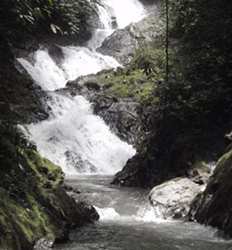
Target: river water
<point>128,223</point>
<point>89,153</point>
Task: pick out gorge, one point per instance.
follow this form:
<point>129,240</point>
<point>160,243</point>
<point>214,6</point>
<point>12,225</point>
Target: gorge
<point>97,121</point>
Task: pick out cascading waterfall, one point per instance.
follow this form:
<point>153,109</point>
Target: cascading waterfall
<point>80,142</point>
<point>73,137</point>
<point>115,14</point>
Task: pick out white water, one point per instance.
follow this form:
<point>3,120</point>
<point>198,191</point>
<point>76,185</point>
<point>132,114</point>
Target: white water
<point>123,12</point>
<point>78,61</point>
<point>78,140</point>
<point>73,137</point>
<point>128,223</point>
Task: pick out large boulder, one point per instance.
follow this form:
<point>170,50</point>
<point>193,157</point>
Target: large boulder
<point>172,199</point>
<point>213,206</point>
<point>123,43</point>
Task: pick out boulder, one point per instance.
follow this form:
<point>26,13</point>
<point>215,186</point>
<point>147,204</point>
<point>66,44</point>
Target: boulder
<point>172,199</point>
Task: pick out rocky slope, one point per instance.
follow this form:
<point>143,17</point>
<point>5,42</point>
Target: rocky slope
<point>123,97</point>
<point>123,43</point>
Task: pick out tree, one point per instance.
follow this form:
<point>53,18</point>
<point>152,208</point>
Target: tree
<point>167,39</point>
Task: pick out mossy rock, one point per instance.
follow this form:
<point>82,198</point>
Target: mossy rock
<point>213,206</point>
<point>33,203</point>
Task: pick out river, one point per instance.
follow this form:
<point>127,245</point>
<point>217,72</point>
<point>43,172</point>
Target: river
<point>127,222</point>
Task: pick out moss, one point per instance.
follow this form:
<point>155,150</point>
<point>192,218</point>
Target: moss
<point>45,170</point>
<point>30,222</point>
<point>139,79</point>
<point>28,216</point>
<point>127,83</point>
<point>33,204</point>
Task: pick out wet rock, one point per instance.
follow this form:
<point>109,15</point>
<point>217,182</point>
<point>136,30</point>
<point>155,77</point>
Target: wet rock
<point>43,244</point>
<point>74,159</point>
<point>172,199</point>
<point>200,172</point>
<point>123,115</point>
<point>123,43</point>
<point>56,53</point>
<point>21,101</point>
<point>87,212</point>
<point>213,206</point>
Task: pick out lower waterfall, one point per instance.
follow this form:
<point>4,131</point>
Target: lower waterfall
<point>78,140</point>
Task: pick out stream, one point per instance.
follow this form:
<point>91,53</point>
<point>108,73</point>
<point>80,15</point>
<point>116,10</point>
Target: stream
<point>127,222</point>
<point>89,153</point>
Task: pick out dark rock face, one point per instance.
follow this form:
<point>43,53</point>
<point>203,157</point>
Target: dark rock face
<point>156,161</point>
<point>168,151</point>
<point>122,44</point>
<point>20,99</point>
<point>213,206</point>
<point>121,115</point>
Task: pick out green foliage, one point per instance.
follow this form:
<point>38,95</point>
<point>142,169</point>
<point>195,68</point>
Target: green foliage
<point>140,78</point>
<point>27,189</point>
<point>150,59</point>
<point>200,77</point>
<point>60,17</point>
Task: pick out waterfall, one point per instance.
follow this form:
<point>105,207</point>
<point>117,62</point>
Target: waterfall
<point>78,140</point>
<point>73,137</point>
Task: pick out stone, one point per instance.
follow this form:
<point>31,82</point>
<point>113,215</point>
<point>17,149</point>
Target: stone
<point>172,199</point>
<point>123,43</point>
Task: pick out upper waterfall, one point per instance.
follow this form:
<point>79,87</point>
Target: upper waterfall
<point>73,137</point>
<point>125,12</point>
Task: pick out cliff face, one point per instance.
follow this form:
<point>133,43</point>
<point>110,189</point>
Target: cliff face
<point>213,206</point>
